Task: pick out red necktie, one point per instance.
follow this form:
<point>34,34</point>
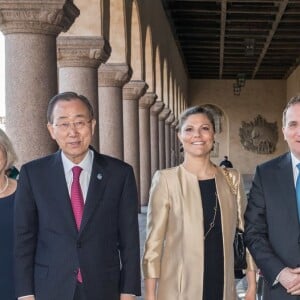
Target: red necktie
<point>77,203</point>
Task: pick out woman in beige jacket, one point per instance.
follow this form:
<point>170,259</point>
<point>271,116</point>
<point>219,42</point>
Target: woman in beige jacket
<point>193,213</point>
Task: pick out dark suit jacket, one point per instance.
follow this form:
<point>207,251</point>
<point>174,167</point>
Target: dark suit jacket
<point>271,223</point>
<point>48,247</point>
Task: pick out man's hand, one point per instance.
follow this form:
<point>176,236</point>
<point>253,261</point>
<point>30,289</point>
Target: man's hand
<point>290,280</point>
<point>31,297</point>
<point>295,289</point>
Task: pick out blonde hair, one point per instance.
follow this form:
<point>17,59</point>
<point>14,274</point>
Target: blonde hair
<point>8,149</point>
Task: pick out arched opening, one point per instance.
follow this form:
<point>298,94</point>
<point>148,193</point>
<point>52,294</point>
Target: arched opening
<point>149,61</point>
<point>158,83</point>
<point>136,46</point>
<point>117,32</point>
<point>165,84</point>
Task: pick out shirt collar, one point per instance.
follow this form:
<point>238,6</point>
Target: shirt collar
<point>86,164</point>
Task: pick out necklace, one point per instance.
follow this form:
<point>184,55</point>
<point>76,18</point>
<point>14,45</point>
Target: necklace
<point>5,185</point>
<point>212,223</point>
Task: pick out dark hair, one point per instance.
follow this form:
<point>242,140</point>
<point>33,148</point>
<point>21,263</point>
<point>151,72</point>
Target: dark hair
<point>67,96</point>
<point>294,100</point>
<point>193,111</point>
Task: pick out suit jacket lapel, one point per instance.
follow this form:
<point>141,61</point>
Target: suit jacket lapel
<point>96,188</point>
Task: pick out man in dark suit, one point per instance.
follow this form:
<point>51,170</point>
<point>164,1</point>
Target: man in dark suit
<point>60,252</point>
<point>272,231</point>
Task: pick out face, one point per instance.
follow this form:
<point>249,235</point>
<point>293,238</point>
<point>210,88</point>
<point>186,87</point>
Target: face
<point>197,135</point>
<point>291,129</point>
<point>72,128</point>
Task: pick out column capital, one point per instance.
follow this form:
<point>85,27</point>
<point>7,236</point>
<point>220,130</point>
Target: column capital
<point>113,75</point>
<point>35,16</point>
<point>81,51</point>
<point>156,108</point>
<point>174,124</point>
<point>170,119</point>
<point>164,114</point>
<point>134,89</point>
<point>147,100</point>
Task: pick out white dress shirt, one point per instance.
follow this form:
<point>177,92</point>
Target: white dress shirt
<point>86,164</point>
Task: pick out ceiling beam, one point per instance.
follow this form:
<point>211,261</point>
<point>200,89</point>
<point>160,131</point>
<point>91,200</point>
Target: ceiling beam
<point>279,15</point>
<point>222,35</point>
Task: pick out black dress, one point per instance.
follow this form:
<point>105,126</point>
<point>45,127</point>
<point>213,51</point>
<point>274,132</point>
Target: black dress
<point>213,282</point>
<point>6,248</point>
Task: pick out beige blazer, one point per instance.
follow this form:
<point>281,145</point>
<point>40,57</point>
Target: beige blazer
<point>174,248</point>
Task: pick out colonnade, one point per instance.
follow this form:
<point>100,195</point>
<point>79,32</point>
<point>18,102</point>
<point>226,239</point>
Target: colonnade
<point>133,123</point>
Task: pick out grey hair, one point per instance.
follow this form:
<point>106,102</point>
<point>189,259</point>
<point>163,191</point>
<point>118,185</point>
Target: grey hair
<point>67,96</point>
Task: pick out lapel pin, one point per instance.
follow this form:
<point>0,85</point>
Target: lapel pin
<point>99,176</point>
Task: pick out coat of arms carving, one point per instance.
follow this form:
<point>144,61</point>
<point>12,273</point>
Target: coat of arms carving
<point>259,136</point>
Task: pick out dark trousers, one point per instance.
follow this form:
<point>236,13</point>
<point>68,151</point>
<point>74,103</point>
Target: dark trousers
<point>79,292</point>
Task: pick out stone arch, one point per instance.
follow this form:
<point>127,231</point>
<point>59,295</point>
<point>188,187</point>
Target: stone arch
<point>182,107</point>
<point>158,77</point>
<point>136,45</point>
<point>117,31</point>
<point>171,93</point>
<point>149,76</point>
<point>165,83</point>
<point>175,98</point>
<point>90,20</point>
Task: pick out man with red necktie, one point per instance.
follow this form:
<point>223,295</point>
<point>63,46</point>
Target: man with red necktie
<point>76,225</point>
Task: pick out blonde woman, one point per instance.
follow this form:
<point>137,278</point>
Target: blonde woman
<point>7,191</point>
<point>193,213</point>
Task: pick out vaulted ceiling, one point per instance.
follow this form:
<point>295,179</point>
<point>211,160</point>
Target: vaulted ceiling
<point>220,39</point>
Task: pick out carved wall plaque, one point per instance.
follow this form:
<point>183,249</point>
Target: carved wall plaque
<point>259,136</point>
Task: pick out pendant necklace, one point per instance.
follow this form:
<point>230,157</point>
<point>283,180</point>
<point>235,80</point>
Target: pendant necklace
<point>212,223</point>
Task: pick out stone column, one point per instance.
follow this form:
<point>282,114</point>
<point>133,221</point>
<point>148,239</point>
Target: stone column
<point>132,91</point>
<point>174,138</point>
<point>111,79</point>
<point>145,147</point>
<point>30,28</point>
<point>155,109</point>
<point>161,133</point>
<point>78,60</point>
<point>168,138</point>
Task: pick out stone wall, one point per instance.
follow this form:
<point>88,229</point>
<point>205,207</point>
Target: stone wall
<point>264,97</point>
